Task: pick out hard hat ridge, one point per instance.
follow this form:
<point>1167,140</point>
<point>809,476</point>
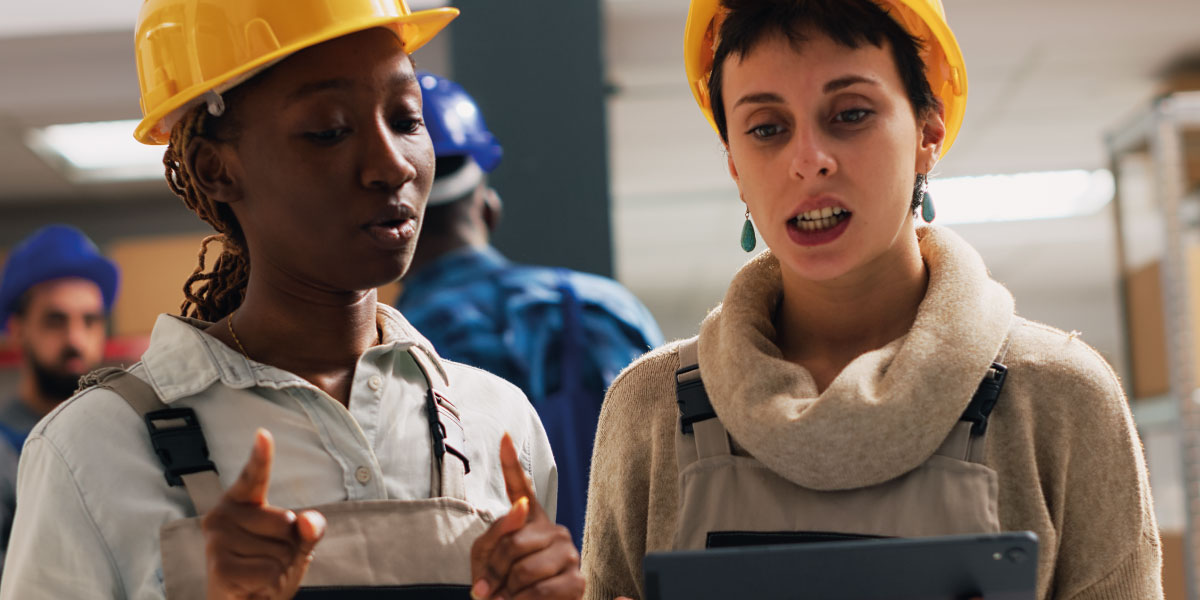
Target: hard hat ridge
<point>188,48</point>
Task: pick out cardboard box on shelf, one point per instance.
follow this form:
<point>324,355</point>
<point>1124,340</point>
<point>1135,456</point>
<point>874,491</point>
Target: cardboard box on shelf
<point>1145,312</point>
<point>153,270</point>
<point>1174,572</point>
<point>1147,333</point>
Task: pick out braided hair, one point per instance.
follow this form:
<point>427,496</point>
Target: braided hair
<point>212,294</point>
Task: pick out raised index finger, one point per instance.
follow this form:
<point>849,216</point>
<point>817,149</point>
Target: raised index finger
<point>251,486</point>
<point>516,483</point>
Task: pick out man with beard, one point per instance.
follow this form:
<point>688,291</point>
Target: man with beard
<point>56,291</point>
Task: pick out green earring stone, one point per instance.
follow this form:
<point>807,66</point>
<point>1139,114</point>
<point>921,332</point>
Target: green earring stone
<point>927,212</point>
<point>748,239</point>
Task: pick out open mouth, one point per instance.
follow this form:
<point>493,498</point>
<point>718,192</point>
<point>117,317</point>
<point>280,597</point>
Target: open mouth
<point>393,229</point>
<point>820,219</point>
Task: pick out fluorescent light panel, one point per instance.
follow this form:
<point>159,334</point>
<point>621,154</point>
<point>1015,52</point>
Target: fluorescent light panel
<point>96,152</point>
<point>1020,197</point>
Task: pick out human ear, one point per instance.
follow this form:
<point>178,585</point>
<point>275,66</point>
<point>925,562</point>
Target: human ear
<point>493,208</point>
<point>931,132</point>
<point>732,167</point>
<point>213,169</point>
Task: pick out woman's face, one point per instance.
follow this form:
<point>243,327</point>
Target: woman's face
<point>331,165</point>
<point>824,147</point>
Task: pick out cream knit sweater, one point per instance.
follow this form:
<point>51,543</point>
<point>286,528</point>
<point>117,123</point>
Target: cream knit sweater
<point>1061,438</point>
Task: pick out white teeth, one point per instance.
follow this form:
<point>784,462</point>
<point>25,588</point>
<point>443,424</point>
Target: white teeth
<point>820,213</point>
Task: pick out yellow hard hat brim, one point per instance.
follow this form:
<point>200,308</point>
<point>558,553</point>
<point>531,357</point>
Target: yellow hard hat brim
<point>414,31</point>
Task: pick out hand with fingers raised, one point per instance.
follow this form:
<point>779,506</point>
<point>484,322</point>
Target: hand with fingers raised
<point>524,555</point>
<point>255,550</point>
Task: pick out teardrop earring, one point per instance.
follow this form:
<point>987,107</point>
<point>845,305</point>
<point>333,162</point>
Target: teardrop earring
<point>921,196</point>
<point>748,239</point>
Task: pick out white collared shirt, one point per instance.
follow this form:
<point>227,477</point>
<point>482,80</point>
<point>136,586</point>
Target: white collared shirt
<point>91,494</point>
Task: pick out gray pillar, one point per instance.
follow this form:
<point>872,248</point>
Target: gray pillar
<point>535,69</point>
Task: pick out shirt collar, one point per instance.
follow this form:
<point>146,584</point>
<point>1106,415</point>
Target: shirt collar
<point>182,360</point>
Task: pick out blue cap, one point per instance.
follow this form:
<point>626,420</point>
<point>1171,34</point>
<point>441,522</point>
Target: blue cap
<point>54,252</point>
<point>455,124</point>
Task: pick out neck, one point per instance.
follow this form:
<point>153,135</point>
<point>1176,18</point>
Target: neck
<point>31,395</point>
<point>834,322</point>
<point>316,335</point>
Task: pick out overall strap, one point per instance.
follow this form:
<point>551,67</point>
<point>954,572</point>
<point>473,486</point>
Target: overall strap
<point>572,352</point>
<point>447,477</point>
<point>967,441</point>
<point>696,414</point>
<point>174,432</point>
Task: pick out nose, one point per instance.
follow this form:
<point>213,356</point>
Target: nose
<point>79,336</point>
<point>385,166</point>
<point>810,156</point>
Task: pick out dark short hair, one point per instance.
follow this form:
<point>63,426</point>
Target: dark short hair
<point>850,23</point>
<point>448,165</point>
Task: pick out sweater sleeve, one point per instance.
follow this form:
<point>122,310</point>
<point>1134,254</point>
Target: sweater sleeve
<point>629,457</point>
<point>1109,548</point>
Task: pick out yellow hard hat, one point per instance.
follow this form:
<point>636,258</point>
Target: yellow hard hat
<point>187,48</point>
<point>924,19</point>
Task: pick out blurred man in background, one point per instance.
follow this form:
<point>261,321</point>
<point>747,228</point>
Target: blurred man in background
<point>56,291</point>
<point>559,335</point>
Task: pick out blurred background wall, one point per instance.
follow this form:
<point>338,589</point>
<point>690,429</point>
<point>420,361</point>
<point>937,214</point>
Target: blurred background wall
<point>610,168</point>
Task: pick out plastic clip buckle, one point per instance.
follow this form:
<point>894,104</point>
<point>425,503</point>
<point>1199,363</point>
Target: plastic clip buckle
<point>692,399</point>
<point>181,448</point>
<point>985,399</point>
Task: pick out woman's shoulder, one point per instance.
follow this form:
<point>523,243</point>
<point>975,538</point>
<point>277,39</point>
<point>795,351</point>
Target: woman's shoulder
<point>1059,359</point>
<point>645,386</point>
<point>655,368</point>
<point>81,417</point>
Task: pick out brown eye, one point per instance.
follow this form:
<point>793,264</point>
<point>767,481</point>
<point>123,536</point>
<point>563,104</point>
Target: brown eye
<point>407,125</point>
<point>763,132</point>
<point>854,115</point>
<point>327,136</point>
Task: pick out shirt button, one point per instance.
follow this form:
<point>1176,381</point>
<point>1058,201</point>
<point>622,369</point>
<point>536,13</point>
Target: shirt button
<point>375,382</point>
<point>363,475</point>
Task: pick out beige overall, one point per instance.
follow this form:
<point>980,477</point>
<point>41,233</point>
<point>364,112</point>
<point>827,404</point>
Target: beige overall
<point>727,499</point>
<point>376,548</point>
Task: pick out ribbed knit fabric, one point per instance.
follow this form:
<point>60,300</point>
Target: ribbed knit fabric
<point>1061,438</point>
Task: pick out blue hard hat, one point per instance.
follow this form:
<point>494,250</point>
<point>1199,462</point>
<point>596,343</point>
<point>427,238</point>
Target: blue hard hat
<point>54,252</point>
<point>455,124</point>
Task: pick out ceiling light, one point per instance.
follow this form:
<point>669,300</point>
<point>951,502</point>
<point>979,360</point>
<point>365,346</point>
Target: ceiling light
<point>1023,196</point>
<point>96,152</point>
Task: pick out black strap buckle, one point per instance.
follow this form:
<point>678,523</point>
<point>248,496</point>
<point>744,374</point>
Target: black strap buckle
<point>446,429</point>
<point>985,399</point>
<point>180,446</point>
<point>692,399</point>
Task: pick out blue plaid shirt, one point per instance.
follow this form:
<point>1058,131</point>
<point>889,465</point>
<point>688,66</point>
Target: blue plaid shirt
<point>479,308</point>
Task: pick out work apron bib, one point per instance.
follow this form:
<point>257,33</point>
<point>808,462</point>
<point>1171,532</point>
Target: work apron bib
<point>397,549</point>
<point>726,499</point>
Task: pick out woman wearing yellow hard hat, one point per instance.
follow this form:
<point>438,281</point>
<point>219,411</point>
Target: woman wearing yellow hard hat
<point>863,377</point>
<point>294,128</point>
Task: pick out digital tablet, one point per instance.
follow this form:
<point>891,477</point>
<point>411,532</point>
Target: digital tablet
<point>995,566</point>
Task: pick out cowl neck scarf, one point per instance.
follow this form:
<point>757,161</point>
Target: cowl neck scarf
<point>890,409</point>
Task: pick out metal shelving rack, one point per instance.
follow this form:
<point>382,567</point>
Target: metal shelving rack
<point>1160,133</point>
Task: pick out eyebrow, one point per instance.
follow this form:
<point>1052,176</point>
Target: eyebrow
<point>847,81</point>
<point>342,83</point>
<point>832,86</point>
<point>759,98</point>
